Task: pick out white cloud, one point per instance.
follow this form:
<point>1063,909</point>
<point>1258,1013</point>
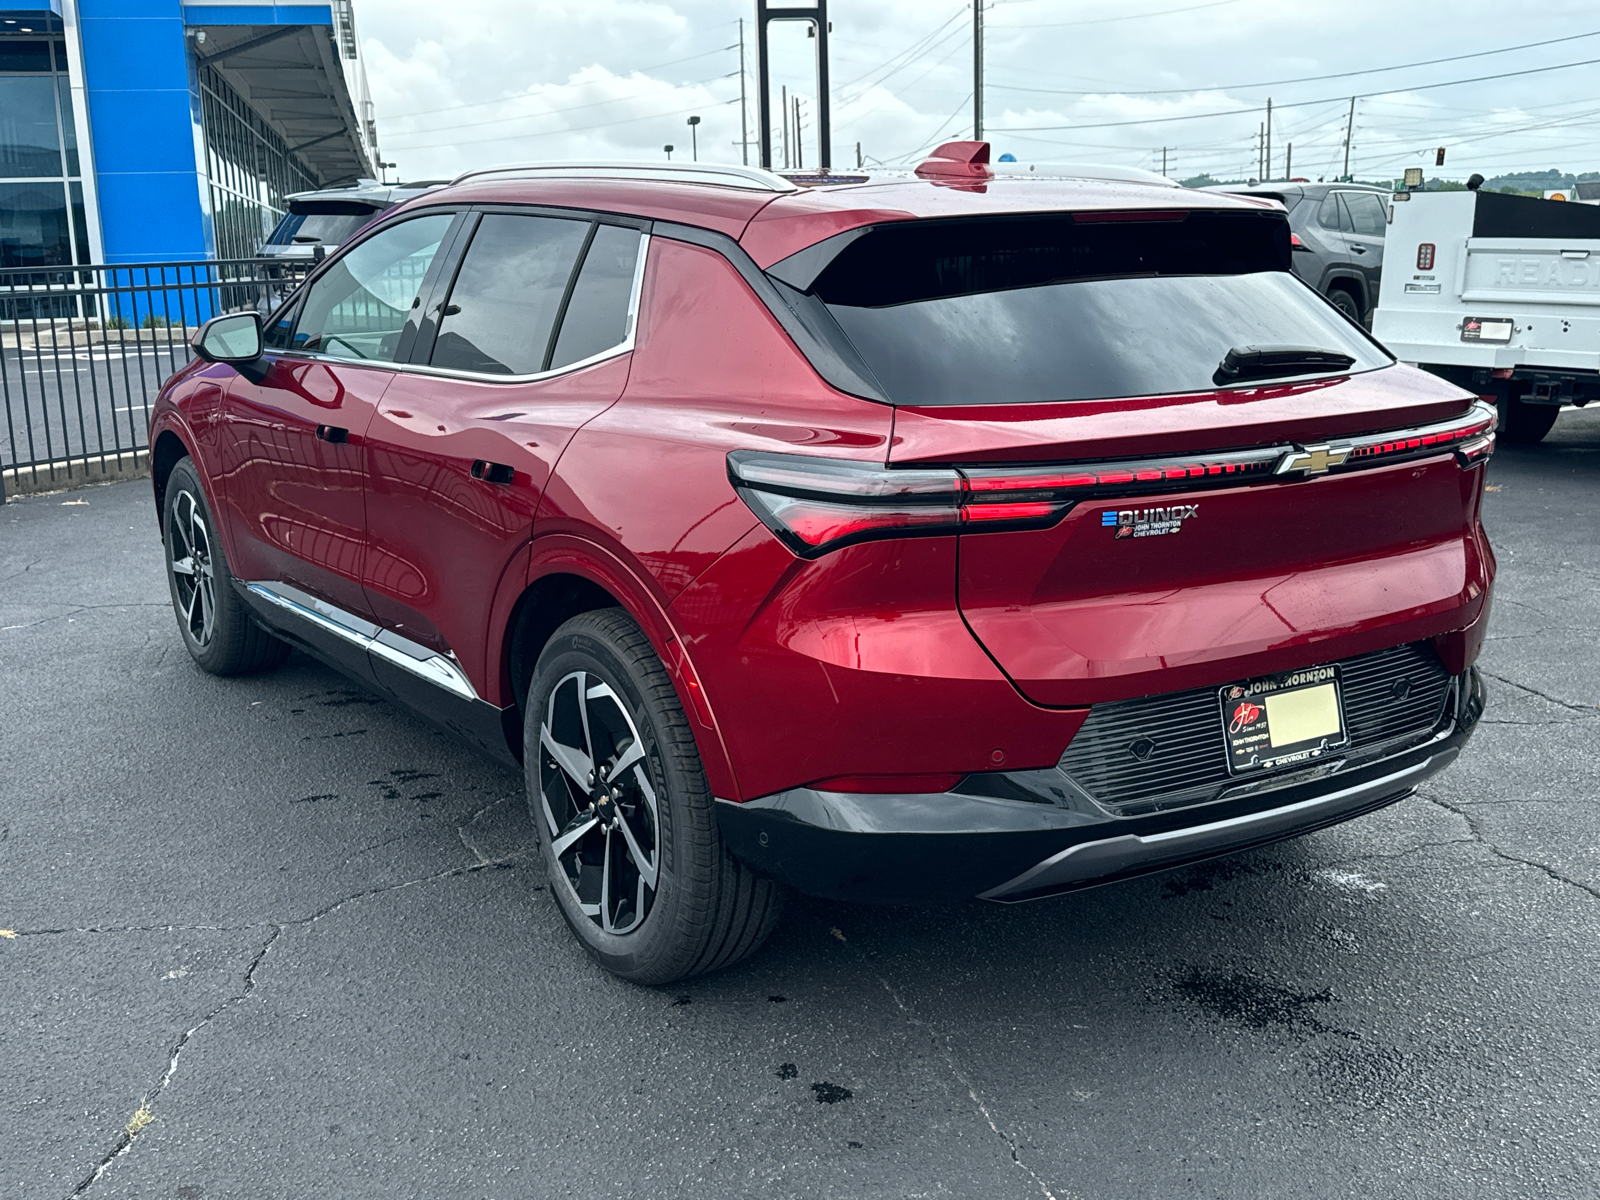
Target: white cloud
<point>499,80</point>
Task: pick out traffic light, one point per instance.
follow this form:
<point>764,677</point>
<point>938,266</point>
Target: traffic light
<point>1438,157</point>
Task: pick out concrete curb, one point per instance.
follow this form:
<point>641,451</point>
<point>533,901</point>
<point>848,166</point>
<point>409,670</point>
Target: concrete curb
<point>76,473</point>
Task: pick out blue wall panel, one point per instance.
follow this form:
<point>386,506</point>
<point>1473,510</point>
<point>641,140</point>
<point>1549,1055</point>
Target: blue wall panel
<point>257,14</point>
<point>142,115</point>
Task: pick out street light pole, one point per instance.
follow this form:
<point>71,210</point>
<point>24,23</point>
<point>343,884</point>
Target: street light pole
<point>668,149</point>
<point>694,137</point>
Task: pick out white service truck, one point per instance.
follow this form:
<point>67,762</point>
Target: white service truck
<point>1500,294</point>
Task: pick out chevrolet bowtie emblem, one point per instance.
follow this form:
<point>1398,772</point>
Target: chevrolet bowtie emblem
<point>1310,460</point>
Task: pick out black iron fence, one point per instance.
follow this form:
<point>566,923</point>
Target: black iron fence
<point>84,350</point>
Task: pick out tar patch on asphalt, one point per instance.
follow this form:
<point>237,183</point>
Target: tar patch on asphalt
<point>1253,1003</point>
<point>787,1071</point>
<point>830,1093</point>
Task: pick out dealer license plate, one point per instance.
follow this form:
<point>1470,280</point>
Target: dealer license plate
<point>1282,719</point>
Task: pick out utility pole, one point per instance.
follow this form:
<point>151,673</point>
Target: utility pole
<point>783,115</point>
<point>1269,139</point>
<point>799,157</point>
<point>977,70</point>
<point>1349,132</point>
<point>1163,160</point>
<point>1261,139</point>
<point>744,123</point>
<point>1288,162</point>
<point>858,156</point>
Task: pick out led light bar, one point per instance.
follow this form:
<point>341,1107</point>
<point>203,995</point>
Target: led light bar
<point>815,505</point>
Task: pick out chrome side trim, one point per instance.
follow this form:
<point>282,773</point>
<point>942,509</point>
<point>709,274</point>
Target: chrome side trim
<point>1088,861</point>
<point>402,652</point>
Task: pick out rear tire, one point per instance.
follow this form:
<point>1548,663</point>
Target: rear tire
<point>1522,423</point>
<point>1346,303</point>
<point>217,629</point>
<point>635,861</point>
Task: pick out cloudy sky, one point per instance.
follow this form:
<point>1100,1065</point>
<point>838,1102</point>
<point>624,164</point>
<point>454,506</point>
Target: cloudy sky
<point>477,82</point>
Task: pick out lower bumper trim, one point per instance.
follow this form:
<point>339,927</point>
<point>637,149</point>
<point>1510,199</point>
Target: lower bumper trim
<point>1110,858</point>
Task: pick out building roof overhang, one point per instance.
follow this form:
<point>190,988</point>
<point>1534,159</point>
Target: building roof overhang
<point>285,61</point>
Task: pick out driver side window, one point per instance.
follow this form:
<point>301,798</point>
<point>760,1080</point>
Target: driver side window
<point>358,309</point>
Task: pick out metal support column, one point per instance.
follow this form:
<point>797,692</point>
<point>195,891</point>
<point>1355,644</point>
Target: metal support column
<point>817,15</point>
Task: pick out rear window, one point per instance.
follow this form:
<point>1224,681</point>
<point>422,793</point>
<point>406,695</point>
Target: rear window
<point>320,222</point>
<point>1013,311</point>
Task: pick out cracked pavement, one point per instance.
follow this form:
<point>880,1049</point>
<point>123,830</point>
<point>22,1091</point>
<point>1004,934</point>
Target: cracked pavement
<point>274,937</point>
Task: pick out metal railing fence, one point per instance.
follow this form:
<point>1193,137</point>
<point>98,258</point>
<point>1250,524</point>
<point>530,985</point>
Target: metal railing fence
<point>84,350</point>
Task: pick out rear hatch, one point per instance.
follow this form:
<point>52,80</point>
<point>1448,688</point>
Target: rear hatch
<point>1168,442</point>
<point>312,223</point>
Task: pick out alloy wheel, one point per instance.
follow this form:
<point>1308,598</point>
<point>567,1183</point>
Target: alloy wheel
<point>189,557</point>
<point>600,806</point>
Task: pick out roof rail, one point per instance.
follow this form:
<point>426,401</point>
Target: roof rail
<point>750,178</point>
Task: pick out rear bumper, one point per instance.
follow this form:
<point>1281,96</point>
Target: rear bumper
<point>949,846</point>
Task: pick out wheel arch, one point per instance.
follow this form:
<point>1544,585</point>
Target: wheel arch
<point>166,452</point>
<point>1347,281</point>
<point>569,575</point>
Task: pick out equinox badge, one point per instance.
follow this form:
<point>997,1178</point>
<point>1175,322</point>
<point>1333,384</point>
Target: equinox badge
<point>1148,522</point>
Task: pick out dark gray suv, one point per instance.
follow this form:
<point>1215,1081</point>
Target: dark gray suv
<point>1338,230</point>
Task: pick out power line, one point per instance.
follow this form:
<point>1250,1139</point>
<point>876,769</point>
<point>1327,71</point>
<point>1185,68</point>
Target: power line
<point>926,44</point>
<point>1228,87</point>
<point>1421,87</point>
<point>1165,12</point>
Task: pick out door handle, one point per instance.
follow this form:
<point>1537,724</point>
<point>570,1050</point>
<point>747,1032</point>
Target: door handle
<point>1355,249</point>
<point>492,472</point>
<point>332,433</point>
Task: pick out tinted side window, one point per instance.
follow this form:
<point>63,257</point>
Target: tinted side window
<point>280,334</point>
<point>1331,215</point>
<point>506,297</point>
<point>358,308</point>
<point>597,314</point>
<point>1367,215</point>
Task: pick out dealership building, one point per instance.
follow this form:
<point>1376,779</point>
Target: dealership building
<point>145,131</point>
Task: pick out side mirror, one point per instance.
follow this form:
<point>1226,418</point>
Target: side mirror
<point>231,338</point>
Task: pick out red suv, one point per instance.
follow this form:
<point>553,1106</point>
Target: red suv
<point>893,539</point>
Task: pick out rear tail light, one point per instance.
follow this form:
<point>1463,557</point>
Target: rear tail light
<point>1425,256</point>
<point>815,505</point>
<point>1458,435</point>
<point>1295,243</point>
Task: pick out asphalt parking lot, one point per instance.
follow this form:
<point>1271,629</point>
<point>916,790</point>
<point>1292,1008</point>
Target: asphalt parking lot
<point>275,938</point>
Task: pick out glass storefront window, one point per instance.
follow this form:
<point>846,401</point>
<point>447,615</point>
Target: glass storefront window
<point>30,138</point>
<point>33,225</point>
<point>69,131</point>
<point>42,218</point>
<point>18,54</point>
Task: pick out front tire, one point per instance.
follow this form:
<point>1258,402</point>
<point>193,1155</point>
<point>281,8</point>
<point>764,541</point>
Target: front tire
<point>625,818</point>
<point>217,629</point>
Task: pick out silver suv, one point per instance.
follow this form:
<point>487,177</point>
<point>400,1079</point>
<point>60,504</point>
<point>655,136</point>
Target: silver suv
<point>1338,233</point>
<point>327,217</point>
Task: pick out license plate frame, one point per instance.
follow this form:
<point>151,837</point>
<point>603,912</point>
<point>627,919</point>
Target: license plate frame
<point>1305,700</point>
